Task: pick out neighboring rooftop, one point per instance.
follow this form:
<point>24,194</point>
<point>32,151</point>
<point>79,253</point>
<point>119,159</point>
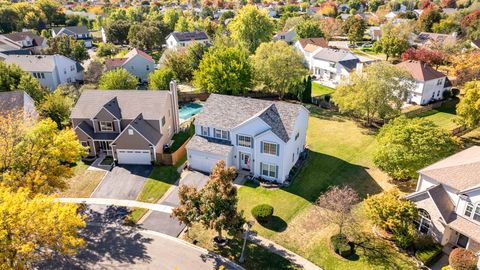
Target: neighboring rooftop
<point>319,42</point>
<point>15,100</point>
<point>421,71</point>
<point>112,63</point>
<point>188,36</point>
<point>227,112</point>
<point>33,63</point>
<point>460,171</point>
<point>71,30</point>
<point>131,103</point>
<point>209,145</point>
<point>20,36</point>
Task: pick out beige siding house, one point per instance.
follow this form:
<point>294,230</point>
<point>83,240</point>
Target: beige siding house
<point>448,198</point>
<point>132,126</point>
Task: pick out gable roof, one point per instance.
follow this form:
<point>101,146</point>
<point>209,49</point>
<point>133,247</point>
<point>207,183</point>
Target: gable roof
<point>33,63</point>
<point>14,100</point>
<point>427,37</point>
<point>460,171</point>
<point>87,129</point>
<point>71,30</point>
<point>332,55</point>
<point>131,103</point>
<point>421,71</point>
<point>19,36</point>
<point>188,36</point>
<point>112,107</point>
<point>227,112</point>
<point>148,132</point>
<point>319,42</point>
<point>112,63</point>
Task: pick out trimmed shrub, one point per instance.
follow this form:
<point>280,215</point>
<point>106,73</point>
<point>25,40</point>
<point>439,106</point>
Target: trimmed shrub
<point>262,212</point>
<point>340,245</point>
<point>428,256</point>
<point>423,242</point>
<point>462,259</point>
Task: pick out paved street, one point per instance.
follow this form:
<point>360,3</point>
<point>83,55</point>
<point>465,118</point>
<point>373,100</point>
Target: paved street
<point>162,222</point>
<point>123,182</point>
<point>110,245</point>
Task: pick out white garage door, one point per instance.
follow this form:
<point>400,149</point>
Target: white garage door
<point>127,156</point>
<point>202,162</point>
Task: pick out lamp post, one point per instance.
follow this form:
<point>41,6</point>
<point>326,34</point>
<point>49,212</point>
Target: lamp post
<point>246,227</point>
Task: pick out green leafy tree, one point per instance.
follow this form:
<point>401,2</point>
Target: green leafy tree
<point>224,70</point>
<point>469,107</point>
<point>215,205</point>
<point>278,67</point>
<point>428,18</point>
<point>178,61</point>
<point>67,46</point>
<point>376,92</point>
<point>390,211</point>
<point>170,18</point>
<point>37,156</point>
<point>184,24</point>
<point>94,71</point>
<point>354,27</point>
<point>12,78</point>
<point>309,29</point>
<point>35,227</point>
<point>307,92</point>
<point>106,49</point>
<point>407,145</point>
<point>391,46</point>
<point>9,21</point>
<point>160,79</point>
<point>195,52</point>
<point>52,10</point>
<point>117,32</point>
<point>57,107</point>
<point>30,16</point>
<point>147,36</point>
<point>118,79</point>
<point>250,27</point>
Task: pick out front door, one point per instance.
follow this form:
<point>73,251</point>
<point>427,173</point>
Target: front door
<point>245,161</point>
<point>462,241</point>
<point>105,147</point>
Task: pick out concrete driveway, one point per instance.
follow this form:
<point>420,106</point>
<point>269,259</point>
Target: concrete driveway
<point>162,222</point>
<point>123,182</point>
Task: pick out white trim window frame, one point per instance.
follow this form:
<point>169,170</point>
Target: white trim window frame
<point>245,141</point>
<point>269,170</point>
<point>106,126</point>
<point>270,148</point>
<point>220,134</point>
<point>205,131</point>
<point>476,213</point>
<point>85,144</point>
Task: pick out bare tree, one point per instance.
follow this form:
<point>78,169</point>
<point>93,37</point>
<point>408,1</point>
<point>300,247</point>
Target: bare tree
<point>337,204</point>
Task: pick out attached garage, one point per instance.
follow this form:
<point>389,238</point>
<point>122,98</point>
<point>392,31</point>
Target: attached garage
<point>203,155</point>
<point>130,156</point>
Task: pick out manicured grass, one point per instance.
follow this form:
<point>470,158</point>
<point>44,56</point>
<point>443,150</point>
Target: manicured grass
<point>444,117</point>
<point>159,181</point>
<point>180,138</point>
<point>340,154</point>
<point>320,90</point>
<point>256,257</point>
<point>83,183</point>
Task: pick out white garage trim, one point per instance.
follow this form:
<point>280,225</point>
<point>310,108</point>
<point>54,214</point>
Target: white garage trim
<point>203,162</point>
<point>134,156</point>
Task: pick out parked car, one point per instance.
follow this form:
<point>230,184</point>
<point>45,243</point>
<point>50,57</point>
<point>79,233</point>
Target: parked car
<point>367,45</point>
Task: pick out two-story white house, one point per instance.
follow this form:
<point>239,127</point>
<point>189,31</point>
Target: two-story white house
<point>286,35</point>
<point>264,138</point>
<point>448,198</point>
<point>307,46</point>
<point>49,70</point>
<point>330,65</point>
<point>136,62</point>
<point>429,83</point>
<point>78,32</point>
<point>177,40</point>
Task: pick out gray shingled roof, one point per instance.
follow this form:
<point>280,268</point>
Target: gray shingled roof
<point>209,145</point>
<point>333,55</point>
<point>130,102</point>
<point>460,171</point>
<point>188,36</point>
<point>149,132</point>
<point>112,107</point>
<point>349,65</point>
<point>69,30</point>
<point>12,100</point>
<point>227,112</point>
<point>33,63</point>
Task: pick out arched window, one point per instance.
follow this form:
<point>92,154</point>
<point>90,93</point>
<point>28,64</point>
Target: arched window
<point>424,221</point>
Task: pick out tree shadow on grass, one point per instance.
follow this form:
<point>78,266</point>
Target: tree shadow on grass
<point>322,171</point>
<point>106,240</point>
<point>327,114</point>
<point>275,223</point>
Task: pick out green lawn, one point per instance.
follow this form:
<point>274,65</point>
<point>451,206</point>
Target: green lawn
<point>180,138</point>
<point>444,117</point>
<point>340,154</point>
<point>159,181</point>
<point>82,183</point>
<point>320,90</point>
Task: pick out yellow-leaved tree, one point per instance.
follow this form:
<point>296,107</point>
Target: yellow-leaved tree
<point>36,156</point>
<point>34,227</point>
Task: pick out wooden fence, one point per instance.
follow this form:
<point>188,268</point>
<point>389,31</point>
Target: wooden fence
<point>173,158</point>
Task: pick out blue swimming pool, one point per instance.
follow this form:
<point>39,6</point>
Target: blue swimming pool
<point>189,110</point>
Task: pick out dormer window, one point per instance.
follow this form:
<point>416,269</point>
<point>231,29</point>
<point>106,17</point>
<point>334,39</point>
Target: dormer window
<point>221,134</point>
<point>106,126</point>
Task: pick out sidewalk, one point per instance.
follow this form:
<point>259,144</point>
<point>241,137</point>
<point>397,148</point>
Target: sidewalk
<point>281,251</point>
<point>126,203</point>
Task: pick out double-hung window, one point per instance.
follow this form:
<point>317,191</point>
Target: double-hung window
<point>106,126</point>
<point>469,210</point>
<point>205,132</point>
<point>269,170</point>
<point>270,148</point>
<point>221,134</point>
<point>245,141</point>
<point>476,214</point>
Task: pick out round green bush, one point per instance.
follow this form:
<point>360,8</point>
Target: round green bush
<point>340,245</point>
<point>262,212</point>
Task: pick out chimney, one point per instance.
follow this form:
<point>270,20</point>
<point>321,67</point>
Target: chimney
<point>174,97</point>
